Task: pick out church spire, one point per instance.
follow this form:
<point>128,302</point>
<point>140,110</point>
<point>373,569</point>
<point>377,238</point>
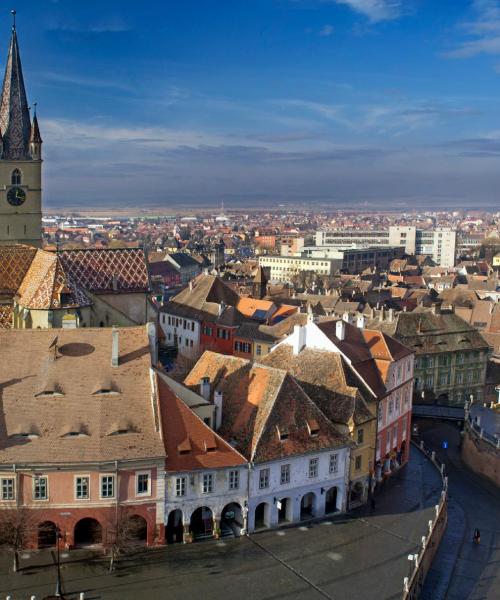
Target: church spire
<point>15,120</point>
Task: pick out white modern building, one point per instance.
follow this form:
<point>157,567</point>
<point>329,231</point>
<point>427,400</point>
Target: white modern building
<point>439,243</point>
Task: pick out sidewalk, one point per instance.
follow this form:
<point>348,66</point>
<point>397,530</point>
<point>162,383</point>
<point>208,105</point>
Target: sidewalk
<point>359,556</point>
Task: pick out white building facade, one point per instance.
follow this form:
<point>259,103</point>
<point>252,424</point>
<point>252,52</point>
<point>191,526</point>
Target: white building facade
<point>297,488</point>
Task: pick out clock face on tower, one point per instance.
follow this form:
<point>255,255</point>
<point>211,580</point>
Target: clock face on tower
<point>16,196</point>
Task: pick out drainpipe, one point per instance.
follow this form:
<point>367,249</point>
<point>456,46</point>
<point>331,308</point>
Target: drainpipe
<point>245,514</point>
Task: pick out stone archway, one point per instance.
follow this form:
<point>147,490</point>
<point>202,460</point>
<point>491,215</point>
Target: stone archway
<point>285,511</point>
<point>232,520</point>
<point>202,523</point>
<point>308,506</point>
<point>262,516</point>
<point>47,534</point>
<point>331,500</point>
<point>137,529</point>
<point>175,529</point>
<point>88,532</point>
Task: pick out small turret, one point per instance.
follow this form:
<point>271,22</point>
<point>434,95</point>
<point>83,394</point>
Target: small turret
<point>35,140</point>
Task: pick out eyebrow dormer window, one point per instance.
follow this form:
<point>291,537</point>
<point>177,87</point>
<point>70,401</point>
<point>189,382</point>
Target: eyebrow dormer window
<point>16,177</point>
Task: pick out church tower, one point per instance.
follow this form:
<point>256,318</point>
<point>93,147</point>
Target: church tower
<point>20,159</point>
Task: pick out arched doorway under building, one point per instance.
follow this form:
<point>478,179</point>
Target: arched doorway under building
<point>202,523</point>
<point>47,534</point>
<point>175,529</point>
<point>262,516</point>
<point>88,532</point>
<point>137,529</point>
<point>308,506</point>
<point>331,500</point>
<point>285,510</point>
<point>231,522</point>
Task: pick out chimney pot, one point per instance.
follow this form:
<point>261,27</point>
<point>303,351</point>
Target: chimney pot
<point>218,408</point>
<point>115,348</point>
<point>340,330</point>
<point>205,387</point>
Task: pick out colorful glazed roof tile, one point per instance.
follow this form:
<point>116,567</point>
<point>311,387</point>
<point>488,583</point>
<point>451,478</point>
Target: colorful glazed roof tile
<point>14,264</point>
<point>107,270</point>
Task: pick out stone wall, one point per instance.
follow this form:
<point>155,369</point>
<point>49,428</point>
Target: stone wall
<point>480,455</point>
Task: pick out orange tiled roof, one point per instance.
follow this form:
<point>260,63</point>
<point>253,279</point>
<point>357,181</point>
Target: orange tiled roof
<point>248,306</point>
<point>189,443</point>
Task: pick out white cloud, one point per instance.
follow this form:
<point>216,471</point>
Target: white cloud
<point>375,10</point>
<point>483,30</point>
<point>326,31</point>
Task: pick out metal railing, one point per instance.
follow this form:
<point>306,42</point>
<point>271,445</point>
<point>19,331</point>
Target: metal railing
<point>422,559</point>
<point>474,426</point>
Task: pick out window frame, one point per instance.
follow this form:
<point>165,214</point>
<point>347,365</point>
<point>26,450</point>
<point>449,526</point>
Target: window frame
<point>113,481</point>
<point>285,470</point>
<point>313,467</point>
<point>264,478</point>
<point>149,487</point>
<point>75,486</point>
<point>333,466</point>
<point>234,479</point>
<point>182,479</point>
<point>4,479</point>
<point>207,489</point>
<point>33,495</point>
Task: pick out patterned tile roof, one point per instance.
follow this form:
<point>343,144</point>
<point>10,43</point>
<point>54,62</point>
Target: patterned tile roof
<point>44,284</point>
<point>5,316</point>
<point>14,264</point>
<point>107,270</point>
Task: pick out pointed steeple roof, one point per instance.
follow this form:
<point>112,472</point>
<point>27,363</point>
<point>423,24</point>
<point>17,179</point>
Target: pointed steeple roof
<point>35,132</point>
<point>15,122</point>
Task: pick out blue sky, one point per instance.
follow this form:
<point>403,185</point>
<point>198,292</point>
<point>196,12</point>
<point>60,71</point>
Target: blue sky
<point>356,102</point>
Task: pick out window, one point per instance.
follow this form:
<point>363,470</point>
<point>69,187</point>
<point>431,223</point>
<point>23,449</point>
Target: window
<point>16,177</point>
<point>258,350</point>
<point>8,488</point>
<point>223,334</point>
<point>244,347</point>
<point>334,463</point>
<point>208,483</point>
<point>107,486</point>
<point>380,413</point>
<point>313,467</point>
<point>391,406</point>
<point>207,331</point>
<point>180,486</point>
<point>142,483</point>
<point>40,488</point>
<point>357,463</point>
<point>234,480</point>
<point>263,479</point>
<point>285,474</point>
<point>460,378</point>
<point>361,436</point>
<point>82,488</point>
<point>429,380</point>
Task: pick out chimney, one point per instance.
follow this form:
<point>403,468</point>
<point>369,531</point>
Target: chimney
<point>340,330</point>
<point>191,285</point>
<point>382,314</point>
<point>218,408</point>
<point>345,317</point>
<point>360,321</point>
<point>222,306</point>
<point>435,309</point>
<point>299,338</point>
<point>391,315</point>
<point>114,283</point>
<point>115,348</point>
<point>205,387</point>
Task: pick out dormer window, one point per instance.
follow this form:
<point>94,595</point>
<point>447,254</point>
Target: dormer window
<point>122,428</point>
<point>16,177</point>
<point>283,433</point>
<point>313,428</point>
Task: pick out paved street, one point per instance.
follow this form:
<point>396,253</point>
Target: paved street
<point>357,557</point>
<point>463,571</point>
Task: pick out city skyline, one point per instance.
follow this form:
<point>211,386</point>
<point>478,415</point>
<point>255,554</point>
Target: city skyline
<point>328,102</point>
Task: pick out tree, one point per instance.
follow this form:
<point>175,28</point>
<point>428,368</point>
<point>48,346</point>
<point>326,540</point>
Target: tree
<point>127,532</point>
<point>16,530</point>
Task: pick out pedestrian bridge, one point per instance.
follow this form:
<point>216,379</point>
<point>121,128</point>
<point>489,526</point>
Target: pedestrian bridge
<point>434,411</point>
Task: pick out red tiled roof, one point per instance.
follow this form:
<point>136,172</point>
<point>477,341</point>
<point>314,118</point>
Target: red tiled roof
<point>190,444</point>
